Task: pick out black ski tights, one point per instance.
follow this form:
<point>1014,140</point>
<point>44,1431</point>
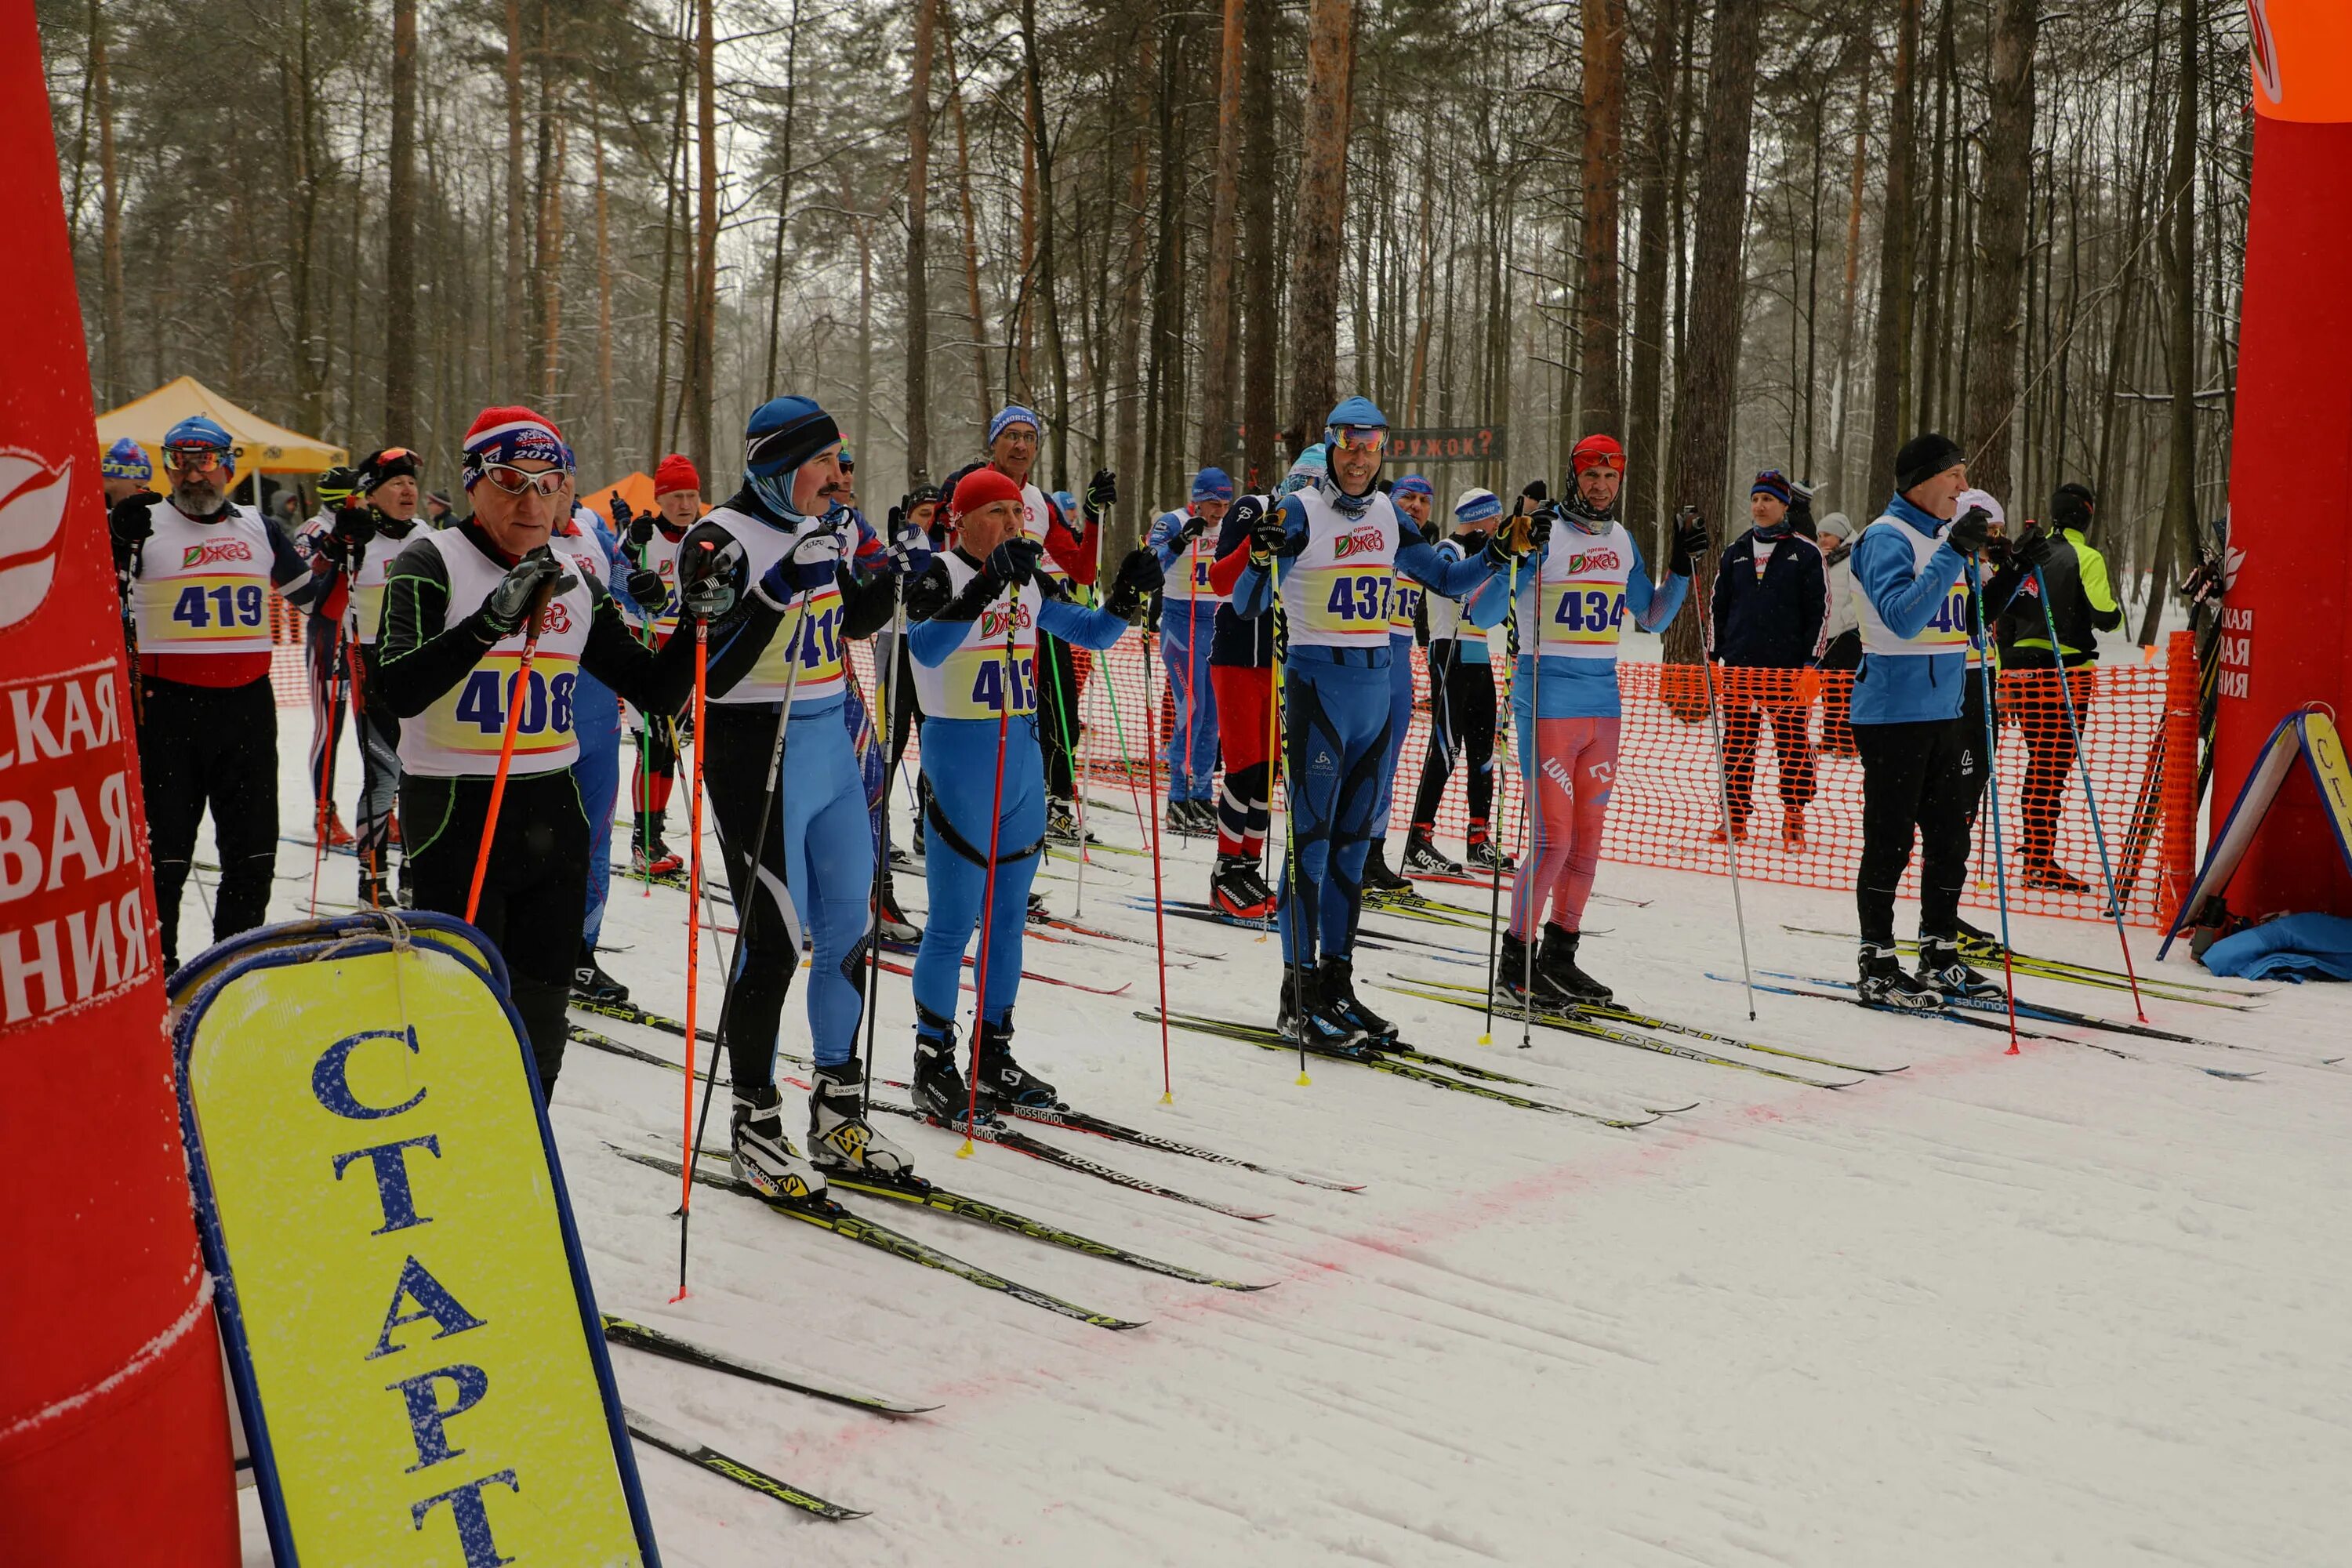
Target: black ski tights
<point>212,746</point>
<point>1913,775</point>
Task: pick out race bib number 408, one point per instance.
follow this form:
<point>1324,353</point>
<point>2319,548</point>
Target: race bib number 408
<point>475,723</point>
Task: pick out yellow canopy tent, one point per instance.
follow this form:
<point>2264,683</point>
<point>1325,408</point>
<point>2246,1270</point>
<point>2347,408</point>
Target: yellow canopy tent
<point>261,447</point>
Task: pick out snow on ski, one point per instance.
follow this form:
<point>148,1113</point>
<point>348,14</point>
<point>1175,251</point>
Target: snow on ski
<point>661,1342</point>
<point>701,1455</point>
<point>1037,1149</point>
<point>2079,973</point>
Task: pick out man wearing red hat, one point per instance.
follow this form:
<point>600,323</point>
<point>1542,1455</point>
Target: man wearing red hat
<point>458,606</point>
<point>653,540</point>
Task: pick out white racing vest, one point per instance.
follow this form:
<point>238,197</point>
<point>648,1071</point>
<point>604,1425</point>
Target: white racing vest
<point>661,556</point>
<point>1188,582</point>
<point>204,587</point>
<point>459,734</point>
<point>994,670</point>
<point>810,631</point>
<point>1947,630</point>
<point>1340,591</point>
<point>1036,522</point>
<point>1448,622</point>
<point>1404,599</point>
<point>365,613</point>
<point>1581,591</point>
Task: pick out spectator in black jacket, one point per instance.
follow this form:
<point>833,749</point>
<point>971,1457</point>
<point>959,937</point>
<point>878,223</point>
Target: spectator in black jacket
<point>1770,613</point>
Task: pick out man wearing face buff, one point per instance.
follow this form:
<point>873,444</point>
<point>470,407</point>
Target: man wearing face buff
<point>788,529</point>
<point>976,615</point>
<point>197,570</point>
<point>1330,554</point>
<point>458,605</point>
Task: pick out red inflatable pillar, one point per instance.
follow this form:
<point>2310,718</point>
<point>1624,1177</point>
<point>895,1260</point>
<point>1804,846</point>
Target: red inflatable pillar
<point>113,1424</point>
<point>2285,631</point>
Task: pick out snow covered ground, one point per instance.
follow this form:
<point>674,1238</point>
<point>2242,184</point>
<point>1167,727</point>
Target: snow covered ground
<point>2051,1308</point>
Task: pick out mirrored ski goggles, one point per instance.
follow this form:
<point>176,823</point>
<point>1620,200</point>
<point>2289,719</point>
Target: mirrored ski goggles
<point>193,459</point>
<point>522,481</point>
<point>1355,437</point>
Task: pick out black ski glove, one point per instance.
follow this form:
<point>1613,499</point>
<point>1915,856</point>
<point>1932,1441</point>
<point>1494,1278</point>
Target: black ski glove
<point>626,522</point>
<point>131,520</point>
<point>1194,526</point>
<point>933,596</point>
<point>1271,537</point>
<point>707,575</point>
<point>1690,540</point>
<point>1535,492</point>
<point>1014,562</point>
<point>1969,530</point>
<point>646,587</point>
<point>1102,493</point>
<point>528,584</point>
<point>1140,577</point>
<point>2035,549</point>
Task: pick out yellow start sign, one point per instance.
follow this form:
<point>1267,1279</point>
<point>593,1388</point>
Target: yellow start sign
<point>414,1342</point>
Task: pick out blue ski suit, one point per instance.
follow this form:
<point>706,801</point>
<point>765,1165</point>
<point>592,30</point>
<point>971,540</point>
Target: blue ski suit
<point>1335,577</point>
<point>1188,621</point>
<point>977,676</point>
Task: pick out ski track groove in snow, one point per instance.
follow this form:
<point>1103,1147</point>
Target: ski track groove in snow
<point>2055,1309</point>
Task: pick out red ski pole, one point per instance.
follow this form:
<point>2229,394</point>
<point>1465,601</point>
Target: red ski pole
<point>517,692</point>
<point>987,883</point>
<point>693,928</point>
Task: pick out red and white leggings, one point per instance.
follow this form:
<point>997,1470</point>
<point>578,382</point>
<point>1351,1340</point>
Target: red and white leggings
<point>1567,804</point>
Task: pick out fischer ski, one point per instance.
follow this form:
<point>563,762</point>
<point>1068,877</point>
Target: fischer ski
<point>1609,1013</point>
<point>988,1131</point>
<point>659,1342</point>
<point>1099,934</point>
<point>841,1222</point>
<point>1270,1039</point>
<point>1119,990</point>
<point>2039,1010</point>
<point>702,1455</point>
<point>2076,974</point>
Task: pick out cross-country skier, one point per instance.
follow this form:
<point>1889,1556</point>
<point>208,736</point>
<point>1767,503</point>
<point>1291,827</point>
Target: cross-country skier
<point>1910,577</point>
<point>326,661</point>
<point>455,607</point>
<point>1070,542</point>
<point>652,540</point>
<point>1564,708</point>
<point>1188,618</point>
<point>1241,670</point>
<point>809,892</point>
<point>2082,604</point>
<point>197,568</point>
<point>916,529</point>
<point>978,613</point>
<point>123,470</point>
<point>372,531</point>
<point>1329,553</point>
<point>1462,707</point>
<point>1770,608</point>
<point>1412,497</point>
<point>596,721</point>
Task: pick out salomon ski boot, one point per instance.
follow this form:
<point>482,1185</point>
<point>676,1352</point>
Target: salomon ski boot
<point>1518,976</point>
<point>1942,966</point>
<point>1301,1016</point>
<point>841,1141</point>
<point>1424,858</point>
<point>941,1090</point>
<point>1335,982</point>
<point>1006,1081</point>
<point>1557,963</point>
<point>1379,880</point>
<point>656,859</point>
<point>764,1158</point>
<point>591,983</point>
<point>1883,983</point>
<point>1238,891</point>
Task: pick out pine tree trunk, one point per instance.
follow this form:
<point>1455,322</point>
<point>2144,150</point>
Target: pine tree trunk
<point>1992,364</point>
<point>551,286</point>
<point>516,314</point>
<point>1217,301</point>
<point>1261,336</point>
<point>1849,497</point>
<point>1891,364</point>
<point>400,234</point>
<point>1047,281</point>
<point>972,306</point>
<point>1599,407</point>
<point>1322,212</point>
<point>109,200</point>
<point>2177,544</point>
<point>607,451</point>
<point>700,339</point>
<point>1130,295</point>
<point>1644,460</point>
<point>919,251</point>
<point>783,200</point>
<point>654,444</point>
<point>1705,386</point>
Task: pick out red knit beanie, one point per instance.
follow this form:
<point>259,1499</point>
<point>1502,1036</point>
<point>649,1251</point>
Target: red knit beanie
<point>978,488</point>
<point>675,472</point>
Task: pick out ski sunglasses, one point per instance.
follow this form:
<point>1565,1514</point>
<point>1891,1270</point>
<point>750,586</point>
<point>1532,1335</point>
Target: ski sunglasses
<point>1355,437</point>
<point>193,459</point>
<point>522,481</point>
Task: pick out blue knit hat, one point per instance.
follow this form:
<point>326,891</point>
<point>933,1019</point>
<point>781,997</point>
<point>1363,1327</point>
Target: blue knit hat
<point>126,460</point>
<point>1476,506</point>
<point>1212,484</point>
<point>1013,414</point>
<point>1309,465</point>
<point>783,434</point>
<point>1413,485</point>
<point>1771,483</point>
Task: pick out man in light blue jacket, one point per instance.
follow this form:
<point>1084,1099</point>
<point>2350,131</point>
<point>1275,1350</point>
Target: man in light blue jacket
<point>1910,580</point>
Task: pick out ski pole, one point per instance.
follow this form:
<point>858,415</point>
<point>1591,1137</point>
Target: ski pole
<point>885,681</point>
<point>1286,907</point>
<point>327,762</point>
<point>1993,788</point>
<point>517,693</point>
<point>1531,824</point>
<point>1159,911</point>
<point>2090,795</point>
<point>1273,743</point>
<point>995,840</point>
<point>1723,794</point>
<point>1495,907</point>
<point>693,934</point>
<point>748,911</point>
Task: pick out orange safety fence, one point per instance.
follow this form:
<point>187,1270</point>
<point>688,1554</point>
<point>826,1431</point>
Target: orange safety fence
<point>2139,739</point>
